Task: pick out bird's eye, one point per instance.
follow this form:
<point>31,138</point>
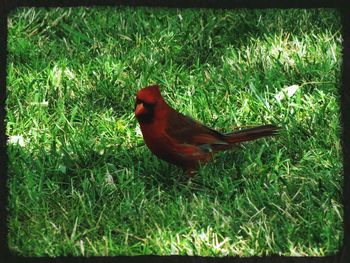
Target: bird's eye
<point>145,104</point>
<point>148,105</point>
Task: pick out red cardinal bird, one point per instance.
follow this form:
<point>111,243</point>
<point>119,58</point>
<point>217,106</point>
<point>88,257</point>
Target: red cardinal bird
<point>180,140</point>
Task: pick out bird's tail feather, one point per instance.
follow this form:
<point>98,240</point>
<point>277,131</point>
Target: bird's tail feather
<point>250,134</point>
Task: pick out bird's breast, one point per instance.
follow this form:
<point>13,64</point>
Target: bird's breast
<point>153,134</point>
<point>170,150</point>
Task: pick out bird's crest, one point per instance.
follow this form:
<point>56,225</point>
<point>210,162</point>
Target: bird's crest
<point>150,94</point>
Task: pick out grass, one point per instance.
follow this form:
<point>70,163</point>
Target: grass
<point>82,182</point>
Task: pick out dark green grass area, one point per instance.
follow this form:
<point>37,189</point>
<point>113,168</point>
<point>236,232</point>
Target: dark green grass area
<point>82,182</point>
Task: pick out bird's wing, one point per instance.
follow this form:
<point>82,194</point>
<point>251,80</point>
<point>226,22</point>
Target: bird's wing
<point>185,130</point>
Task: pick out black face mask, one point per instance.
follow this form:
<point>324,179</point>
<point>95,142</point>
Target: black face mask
<point>148,116</point>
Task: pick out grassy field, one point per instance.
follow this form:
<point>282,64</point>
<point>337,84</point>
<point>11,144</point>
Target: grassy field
<point>82,182</point>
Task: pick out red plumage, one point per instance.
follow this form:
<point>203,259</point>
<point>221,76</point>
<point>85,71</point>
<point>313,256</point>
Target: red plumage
<point>180,140</point>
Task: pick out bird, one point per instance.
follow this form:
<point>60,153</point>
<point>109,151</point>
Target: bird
<point>181,140</point>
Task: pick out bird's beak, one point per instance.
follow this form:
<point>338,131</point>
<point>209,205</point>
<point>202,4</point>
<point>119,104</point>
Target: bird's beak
<point>140,109</point>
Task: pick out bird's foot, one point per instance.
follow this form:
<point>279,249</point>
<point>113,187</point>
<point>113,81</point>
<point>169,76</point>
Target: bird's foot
<point>191,173</point>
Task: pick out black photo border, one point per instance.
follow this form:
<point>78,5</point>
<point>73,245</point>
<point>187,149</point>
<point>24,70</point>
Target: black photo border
<point>343,255</point>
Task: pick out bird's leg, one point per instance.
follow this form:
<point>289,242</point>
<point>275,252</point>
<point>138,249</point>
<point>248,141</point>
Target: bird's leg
<point>191,173</point>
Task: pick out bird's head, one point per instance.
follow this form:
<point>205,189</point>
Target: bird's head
<point>147,101</point>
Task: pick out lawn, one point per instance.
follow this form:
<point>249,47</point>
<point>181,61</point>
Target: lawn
<point>82,182</point>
